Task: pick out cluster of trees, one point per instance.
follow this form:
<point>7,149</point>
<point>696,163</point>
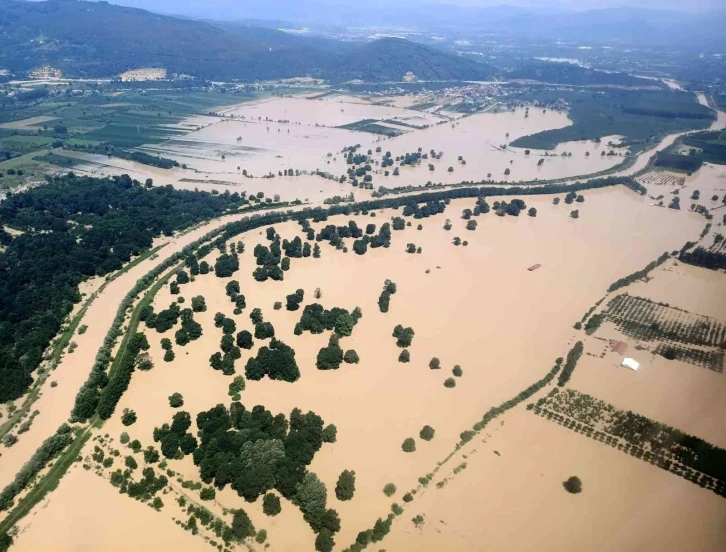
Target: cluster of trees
<point>572,197</point>
<point>276,362</point>
<point>112,220</point>
<point>255,452</point>
<point>513,208</point>
<point>389,288</point>
<point>330,357</point>
<point>382,239</point>
<point>47,451</point>
<point>233,292</point>
<point>175,438</point>
<point>114,151</point>
<point>573,356</point>
<point>316,319</point>
<point>334,235</point>
<point>296,248</point>
<point>687,163</point>
<point>190,330</point>
<point>294,300</point>
<point>226,265</point>
<point>429,209</point>
<point>714,260</point>
<point>270,264</point>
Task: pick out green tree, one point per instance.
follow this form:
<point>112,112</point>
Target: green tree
<point>345,488</point>
<point>532,212</point>
<point>242,526</point>
<point>169,356</point>
<point>435,364</point>
<point>344,325</point>
<point>389,489</point>
<point>405,356</point>
<point>130,462</point>
<point>409,445</point>
<point>208,493</point>
<point>124,438</point>
<point>244,340</point>
<point>450,382</point>
<point>573,485</point>
<point>351,357</point>
<point>176,400</point>
<point>199,304</point>
<point>427,433</point>
<point>128,417</point>
<point>324,542</point>
<point>330,434</point>
<point>271,504</point>
<point>457,371</point>
<point>311,497</point>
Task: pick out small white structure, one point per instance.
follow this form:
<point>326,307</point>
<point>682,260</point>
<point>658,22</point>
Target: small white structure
<point>631,363</point>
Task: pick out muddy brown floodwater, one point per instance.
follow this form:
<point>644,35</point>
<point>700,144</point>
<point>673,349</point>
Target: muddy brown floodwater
<point>473,308</point>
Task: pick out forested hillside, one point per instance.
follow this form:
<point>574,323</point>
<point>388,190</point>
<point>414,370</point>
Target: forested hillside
<point>96,39</point>
<point>75,228</point>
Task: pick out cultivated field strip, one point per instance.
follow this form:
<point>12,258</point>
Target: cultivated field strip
<point>670,328</point>
<point>663,446</point>
<point>660,178</point>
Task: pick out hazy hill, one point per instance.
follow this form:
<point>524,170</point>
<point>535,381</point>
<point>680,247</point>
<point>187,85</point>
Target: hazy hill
<point>96,39</point>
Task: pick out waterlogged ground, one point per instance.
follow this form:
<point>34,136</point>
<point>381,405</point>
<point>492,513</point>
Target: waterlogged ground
<point>478,307</point>
<point>271,135</point>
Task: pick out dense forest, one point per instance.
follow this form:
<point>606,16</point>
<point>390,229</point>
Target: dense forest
<point>73,228</point>
<point>640,116</point>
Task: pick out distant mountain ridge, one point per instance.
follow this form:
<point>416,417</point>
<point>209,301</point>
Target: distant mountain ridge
<point>97,39</point>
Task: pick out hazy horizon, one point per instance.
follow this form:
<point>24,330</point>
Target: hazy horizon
<point>231,9</point>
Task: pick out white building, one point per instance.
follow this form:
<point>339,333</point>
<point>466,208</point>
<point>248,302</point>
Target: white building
<point>631,363</point>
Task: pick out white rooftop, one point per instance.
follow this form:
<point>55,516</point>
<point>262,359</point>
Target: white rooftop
<point>630,363</point>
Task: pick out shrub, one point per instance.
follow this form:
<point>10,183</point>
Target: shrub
<point>389,489</point>
<point>130,462</point>
<point>135,445</point>
<point>277,305</point>
<point>457,371</point>
<point>573,485</point>
<point>408,497</point>
<point>330,434</point>
<point>351,357</point>
<point>467,435</point>
<point>435,364</point>
<point>207,493</point>
<point>427,433</point>
<point>345,488</point>
<point>271,504</point>
<point>176,400</point>
<point>169,355</point>
<point>450,382</point>
<point>409,445</point>
<point>124,438</point>
<point>261,536</point>
<point>128,417</point>
<point>9,440</point>
<point>166,343</point>
<point>405,356</point>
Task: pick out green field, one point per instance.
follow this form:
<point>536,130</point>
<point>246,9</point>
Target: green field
<point>639,116</point>
<point>111,114</point>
